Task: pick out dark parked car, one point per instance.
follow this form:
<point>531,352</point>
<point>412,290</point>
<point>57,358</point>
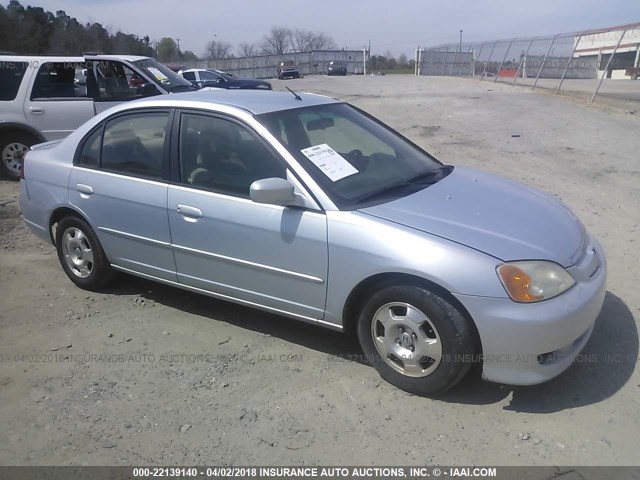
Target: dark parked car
<point>201,77</point>
<point>288,69</point>
<point>337,68</point>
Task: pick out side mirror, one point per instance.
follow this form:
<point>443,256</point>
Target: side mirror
<point>274,191</point>
<point>149,90</point>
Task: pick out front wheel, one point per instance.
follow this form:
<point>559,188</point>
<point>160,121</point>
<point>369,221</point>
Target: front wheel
<point>81,254</point>
<point>416,339</point>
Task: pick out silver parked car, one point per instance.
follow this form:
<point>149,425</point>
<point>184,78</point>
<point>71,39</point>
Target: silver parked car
<point>309,207</point>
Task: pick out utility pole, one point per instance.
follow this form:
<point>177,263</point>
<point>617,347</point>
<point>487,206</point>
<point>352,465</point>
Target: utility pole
<point>178,40</point>
<point>460,41</point>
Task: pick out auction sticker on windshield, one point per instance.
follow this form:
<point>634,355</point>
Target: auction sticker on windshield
<point>330,162</point>
<point>158,74</point>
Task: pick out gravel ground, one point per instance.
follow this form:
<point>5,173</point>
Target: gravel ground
<point>145,374</point>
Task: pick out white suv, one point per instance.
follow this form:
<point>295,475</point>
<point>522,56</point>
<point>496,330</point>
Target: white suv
<point>46,98</point>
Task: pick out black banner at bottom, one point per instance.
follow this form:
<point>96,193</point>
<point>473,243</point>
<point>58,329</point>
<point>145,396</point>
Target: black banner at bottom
<point>327,472</point>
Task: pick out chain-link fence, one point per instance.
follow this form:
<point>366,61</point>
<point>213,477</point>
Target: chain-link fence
<point>576,62</point>
<point>266,66</point>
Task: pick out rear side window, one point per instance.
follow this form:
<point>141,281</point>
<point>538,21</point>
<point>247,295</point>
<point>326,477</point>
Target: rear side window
<point>11,74</point>
<point>90,154</point>
<point>134,144</point>
<point>57,80</point>
<point>191,76</point>
<point>130,145</point>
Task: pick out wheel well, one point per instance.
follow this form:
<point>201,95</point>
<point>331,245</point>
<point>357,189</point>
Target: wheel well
<point>366,287</point>
<point>16,128</point>
<point>60,213</point>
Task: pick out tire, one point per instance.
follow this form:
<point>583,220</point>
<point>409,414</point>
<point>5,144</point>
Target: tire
<point>634,76</point>
<point>13,147</point>
<point>81,255</point>
<point>425,345</point>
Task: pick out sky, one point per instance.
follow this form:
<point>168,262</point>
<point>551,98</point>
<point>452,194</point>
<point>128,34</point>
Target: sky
<point>399,26</point>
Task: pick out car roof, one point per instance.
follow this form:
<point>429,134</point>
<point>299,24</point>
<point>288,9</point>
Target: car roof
<point>253,101</point>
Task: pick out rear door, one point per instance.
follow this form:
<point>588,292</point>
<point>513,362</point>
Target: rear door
<point>57,104</point>
<point>119,182</point>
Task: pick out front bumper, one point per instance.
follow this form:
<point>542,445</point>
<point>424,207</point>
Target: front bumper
<point>527,344</point>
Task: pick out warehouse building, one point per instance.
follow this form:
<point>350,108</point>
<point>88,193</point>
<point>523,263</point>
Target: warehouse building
<point>599,45</point>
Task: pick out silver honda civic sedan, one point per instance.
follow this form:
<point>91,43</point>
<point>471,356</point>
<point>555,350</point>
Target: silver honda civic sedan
<point>309,207</point>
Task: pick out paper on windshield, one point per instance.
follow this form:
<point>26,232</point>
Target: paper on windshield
<point>157,73</point>
<point>330,162</point>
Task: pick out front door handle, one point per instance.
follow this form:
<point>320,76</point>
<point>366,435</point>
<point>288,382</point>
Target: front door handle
<point>84,189</point>
<point>188,211</point>
<point>36,110</point>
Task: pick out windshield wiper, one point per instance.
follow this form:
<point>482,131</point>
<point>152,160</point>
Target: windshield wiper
<point>423,178</point>
<point>430,174</point>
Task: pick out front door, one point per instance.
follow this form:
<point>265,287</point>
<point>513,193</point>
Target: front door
<point>268,255</point>
<point>111,82</point>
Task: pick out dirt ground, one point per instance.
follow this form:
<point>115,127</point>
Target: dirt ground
<point>146,374</point>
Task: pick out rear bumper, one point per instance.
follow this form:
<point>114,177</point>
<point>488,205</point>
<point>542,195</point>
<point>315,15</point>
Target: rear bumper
<point>33,215</point>
<point>527,344</point>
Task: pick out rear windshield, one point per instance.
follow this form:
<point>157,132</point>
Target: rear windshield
<point>11,74</point>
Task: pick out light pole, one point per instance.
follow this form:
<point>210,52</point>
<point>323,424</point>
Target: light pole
<point>460,41</point>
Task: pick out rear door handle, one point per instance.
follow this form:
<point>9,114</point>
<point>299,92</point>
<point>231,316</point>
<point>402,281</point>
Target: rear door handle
<point>84,189</point>
<point>188,211</point>
<point>36,110</point>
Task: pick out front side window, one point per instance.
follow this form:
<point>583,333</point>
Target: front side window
<point>354,158</point>
<point>206,75</point>
<point>11,74</point>
<point>191,76</point>
<point>116,81</point>
<point>223,156</point>
<point>57,80</point>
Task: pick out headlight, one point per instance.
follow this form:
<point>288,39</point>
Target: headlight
<point>534,281</point>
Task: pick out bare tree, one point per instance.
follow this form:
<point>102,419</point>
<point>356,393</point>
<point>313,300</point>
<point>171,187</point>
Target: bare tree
<point>277,42</point>
<point>321,41</point>
<point>217,50</point>
<point>305,41</point>
<point>301,40</point>
<point>246,49</point>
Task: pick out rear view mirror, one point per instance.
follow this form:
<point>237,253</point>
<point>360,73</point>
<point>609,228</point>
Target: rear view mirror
<point>320,124</point>
<point>274,191</point>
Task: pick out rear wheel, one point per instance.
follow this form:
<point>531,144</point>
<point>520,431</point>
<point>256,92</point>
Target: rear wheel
<point>81,254</point>
<point>634,76</point>
<point>13,148</point>
<point>416,339</point>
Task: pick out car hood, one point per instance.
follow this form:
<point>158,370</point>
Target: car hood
<point>500,217</point>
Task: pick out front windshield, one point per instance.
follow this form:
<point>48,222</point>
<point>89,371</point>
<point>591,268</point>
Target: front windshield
<point>353,157</point>
<point>163,76</point>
